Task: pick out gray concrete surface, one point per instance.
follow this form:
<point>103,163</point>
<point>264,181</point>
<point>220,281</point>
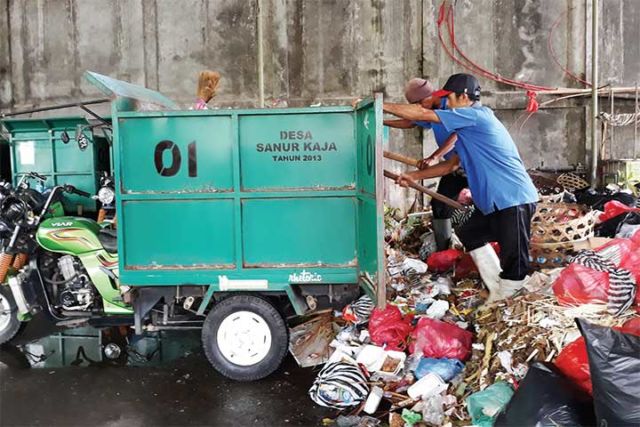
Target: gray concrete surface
<point>328,51</point>
<point>187,392</point>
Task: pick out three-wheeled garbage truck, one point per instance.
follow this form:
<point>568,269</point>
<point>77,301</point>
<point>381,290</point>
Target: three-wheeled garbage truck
<point>232,221</point>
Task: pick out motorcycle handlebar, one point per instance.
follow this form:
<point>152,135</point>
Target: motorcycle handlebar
<point>74,190</point>
<point>38,176</point>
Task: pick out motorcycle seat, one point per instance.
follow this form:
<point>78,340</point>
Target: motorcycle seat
<point>108,239</point>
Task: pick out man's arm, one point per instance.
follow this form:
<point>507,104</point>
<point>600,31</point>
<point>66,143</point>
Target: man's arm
<point>441,169</point>
<point>399,123</point>
<point>447,146</point>
<point>413,112</point>
<point>441,151</point>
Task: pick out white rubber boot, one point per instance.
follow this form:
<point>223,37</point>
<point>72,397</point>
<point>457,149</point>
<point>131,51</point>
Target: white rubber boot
<point>488,265</point>
<point>508,288</point>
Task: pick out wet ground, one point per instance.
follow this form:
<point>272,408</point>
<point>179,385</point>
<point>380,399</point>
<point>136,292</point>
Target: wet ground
<point>184,391</point>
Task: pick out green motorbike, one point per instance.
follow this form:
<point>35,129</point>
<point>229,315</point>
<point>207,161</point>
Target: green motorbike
<point>66,266</point>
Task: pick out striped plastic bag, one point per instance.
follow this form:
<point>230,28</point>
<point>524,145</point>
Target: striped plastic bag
<point>339,385</point>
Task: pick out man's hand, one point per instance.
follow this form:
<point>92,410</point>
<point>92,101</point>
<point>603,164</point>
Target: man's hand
<point>404,179</point>
<point>355,102</point>
<point>427,161</point>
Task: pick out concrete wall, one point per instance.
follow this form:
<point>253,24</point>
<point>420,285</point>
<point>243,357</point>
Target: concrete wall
<point>325,51</point>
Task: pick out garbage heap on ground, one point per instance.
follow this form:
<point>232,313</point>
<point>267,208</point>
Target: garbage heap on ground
<point>565,350</point>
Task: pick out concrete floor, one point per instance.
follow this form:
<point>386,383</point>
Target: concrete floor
<point>184,392</point>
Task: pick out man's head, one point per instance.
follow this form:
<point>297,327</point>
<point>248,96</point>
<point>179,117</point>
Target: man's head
<point>432,103</point>
<point>461,90</point>
<point>418,89</point>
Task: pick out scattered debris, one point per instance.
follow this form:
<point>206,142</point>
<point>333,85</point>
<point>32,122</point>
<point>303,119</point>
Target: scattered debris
<point>309,341</point>
<point>437,355</point>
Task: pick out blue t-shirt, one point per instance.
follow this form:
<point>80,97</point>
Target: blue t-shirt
<point>497,177</point>
<point>439,132</point>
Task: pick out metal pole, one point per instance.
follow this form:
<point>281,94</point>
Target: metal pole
<point>56,107</point>
<point>260,57</point>
<point>635,126</point>
<point>611,127</point>
<point>594,93</point>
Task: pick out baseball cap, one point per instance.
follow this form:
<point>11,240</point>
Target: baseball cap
<point>460,83</point>
<point>418,89</point>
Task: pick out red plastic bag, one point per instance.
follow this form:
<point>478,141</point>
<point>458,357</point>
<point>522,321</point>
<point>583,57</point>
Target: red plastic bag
<point>573,361</point>
<point>442,261</point>
<point>615,208</point>
<point>466,266</point>
<point>631,326</point>
<point>574,364</point>
<point>578,284</point>
<point>387,327</point>
<point>438,339</point>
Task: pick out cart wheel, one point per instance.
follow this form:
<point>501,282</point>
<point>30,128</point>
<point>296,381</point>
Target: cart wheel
<point>9,323</point>
<point>245,338</point>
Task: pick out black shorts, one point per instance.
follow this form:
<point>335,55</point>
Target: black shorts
<point>511,228</point>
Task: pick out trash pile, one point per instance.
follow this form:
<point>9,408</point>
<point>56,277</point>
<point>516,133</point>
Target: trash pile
<point>438,355</point>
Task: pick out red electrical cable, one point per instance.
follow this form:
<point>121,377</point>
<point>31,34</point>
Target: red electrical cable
<point>446,15</point>
<point>553,55</point>
<point>524,85</point>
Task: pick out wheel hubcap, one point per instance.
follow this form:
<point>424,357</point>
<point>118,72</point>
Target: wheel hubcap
<point>244,338</point>
<point>5,313</point>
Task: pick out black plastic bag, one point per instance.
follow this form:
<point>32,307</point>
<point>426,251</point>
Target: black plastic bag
<point>547,398</point>
<point>614,363</point>
<point>611,227</point>
<point>597,199</point>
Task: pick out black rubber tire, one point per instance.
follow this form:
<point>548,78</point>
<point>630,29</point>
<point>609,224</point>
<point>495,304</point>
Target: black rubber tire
<point>277,326</point>
<point>13,327</point>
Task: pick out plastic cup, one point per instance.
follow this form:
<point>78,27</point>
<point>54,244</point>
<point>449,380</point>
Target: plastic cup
<point>373,401</point>
<point>427,386</point>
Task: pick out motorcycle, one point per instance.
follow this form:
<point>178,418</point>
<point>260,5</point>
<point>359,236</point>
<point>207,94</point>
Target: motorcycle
<point>66,266</point>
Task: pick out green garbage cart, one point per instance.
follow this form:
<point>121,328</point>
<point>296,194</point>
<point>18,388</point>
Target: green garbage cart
<point>37,145</point>
<point>228,220</point>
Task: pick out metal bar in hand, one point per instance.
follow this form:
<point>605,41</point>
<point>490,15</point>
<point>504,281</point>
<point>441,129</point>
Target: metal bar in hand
<point>425,190</point>
<point>401,158</point>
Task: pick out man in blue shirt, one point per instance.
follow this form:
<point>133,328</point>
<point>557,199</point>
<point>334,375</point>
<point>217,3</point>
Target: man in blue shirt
<point>502,190</point>
<point>419,91</point>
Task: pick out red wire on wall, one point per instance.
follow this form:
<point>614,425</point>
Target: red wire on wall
<point>446,17</point>
<point>553,55</point>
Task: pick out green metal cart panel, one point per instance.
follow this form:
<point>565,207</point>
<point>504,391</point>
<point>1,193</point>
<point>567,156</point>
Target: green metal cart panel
<point>36,146</point>
<point>200,149</point>
<point>301,232</point>
<point>370,186</point>
<point>301,151</point>
<point>176,234</point>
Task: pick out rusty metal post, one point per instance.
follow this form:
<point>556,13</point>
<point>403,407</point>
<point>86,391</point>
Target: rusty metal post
<point>594,94</point>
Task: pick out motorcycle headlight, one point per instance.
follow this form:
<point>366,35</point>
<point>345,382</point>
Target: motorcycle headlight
<point>106,195</point>
<point>13,210</point>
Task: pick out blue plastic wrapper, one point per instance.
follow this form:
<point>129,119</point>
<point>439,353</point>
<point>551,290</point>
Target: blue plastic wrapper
<point>447,369</point>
